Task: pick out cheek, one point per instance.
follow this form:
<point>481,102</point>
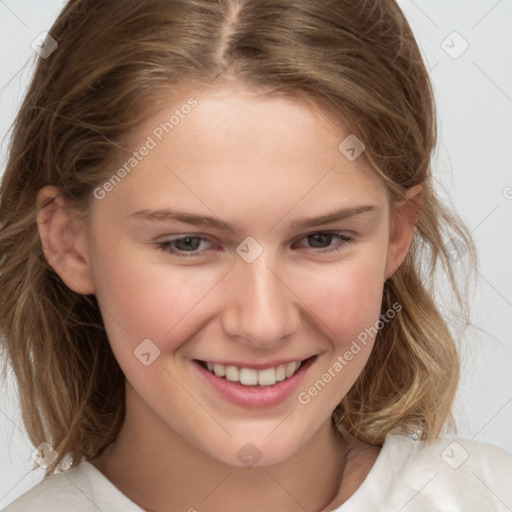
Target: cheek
<point>141,299</point>
<point>346,298</point>
<point>346,302</point>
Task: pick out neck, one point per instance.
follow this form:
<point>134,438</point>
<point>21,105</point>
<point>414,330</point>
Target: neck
<point>161,471</point>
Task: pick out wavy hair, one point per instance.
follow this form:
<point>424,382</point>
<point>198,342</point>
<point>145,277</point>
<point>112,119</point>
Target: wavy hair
<point>115,61</point>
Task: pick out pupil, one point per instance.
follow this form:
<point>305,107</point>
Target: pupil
<point>186,243</point>
<point>319,236</point>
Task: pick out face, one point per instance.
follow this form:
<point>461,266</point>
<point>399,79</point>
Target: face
<point>207,252</point>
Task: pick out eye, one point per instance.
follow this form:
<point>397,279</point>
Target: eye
<point>325,238</point>
<point>183,245</point>
<point>188,246</point>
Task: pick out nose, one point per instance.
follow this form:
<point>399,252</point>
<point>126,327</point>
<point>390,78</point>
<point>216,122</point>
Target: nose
<point>260,309</point>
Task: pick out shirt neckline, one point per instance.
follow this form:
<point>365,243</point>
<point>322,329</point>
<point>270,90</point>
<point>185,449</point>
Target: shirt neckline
<point>376,469</point>
<point>353,500</point>
<point>95,474</point>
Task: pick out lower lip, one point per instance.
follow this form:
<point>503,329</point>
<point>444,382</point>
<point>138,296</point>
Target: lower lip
<point>256,396</point>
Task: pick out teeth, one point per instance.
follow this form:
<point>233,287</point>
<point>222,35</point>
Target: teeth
<point>219,370</point>
<point>267,377</point>
<point>248,377</point>
<point>252,377</point>
<point>232,373</point>
<point>290,369</point>
<point>280,373</point>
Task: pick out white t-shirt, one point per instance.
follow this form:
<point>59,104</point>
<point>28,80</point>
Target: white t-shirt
<point>452,474</point>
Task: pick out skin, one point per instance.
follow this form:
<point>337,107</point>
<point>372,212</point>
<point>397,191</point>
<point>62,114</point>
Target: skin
<point>260,163</point>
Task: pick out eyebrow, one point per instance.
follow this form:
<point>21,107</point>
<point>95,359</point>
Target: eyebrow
<point>169,215</point>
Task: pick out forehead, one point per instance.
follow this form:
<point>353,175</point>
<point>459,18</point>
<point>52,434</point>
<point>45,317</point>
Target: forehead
<point>230,143</point>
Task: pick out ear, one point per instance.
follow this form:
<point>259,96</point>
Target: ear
<point>404,217</point>
<point>64,240</point>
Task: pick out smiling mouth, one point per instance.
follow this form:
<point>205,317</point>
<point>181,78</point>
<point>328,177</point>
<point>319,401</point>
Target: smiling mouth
<point>253,377</point>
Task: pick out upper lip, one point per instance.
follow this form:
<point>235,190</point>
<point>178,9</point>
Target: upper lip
<point>257,366</point>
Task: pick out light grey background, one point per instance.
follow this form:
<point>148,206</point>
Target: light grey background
<point>473,162</point>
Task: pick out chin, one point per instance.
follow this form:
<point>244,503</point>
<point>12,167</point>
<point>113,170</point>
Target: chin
<point>260,451</point>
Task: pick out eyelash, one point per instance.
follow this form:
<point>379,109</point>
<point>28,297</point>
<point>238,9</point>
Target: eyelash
<point>168,248</point>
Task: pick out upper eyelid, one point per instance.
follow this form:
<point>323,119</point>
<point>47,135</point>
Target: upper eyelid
<point>179,236</point>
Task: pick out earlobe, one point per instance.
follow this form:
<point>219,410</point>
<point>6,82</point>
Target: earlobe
<point>403,224</point>
<point>63,241</point>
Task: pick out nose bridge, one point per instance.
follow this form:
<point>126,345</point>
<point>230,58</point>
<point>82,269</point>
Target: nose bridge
<point>259,307</point>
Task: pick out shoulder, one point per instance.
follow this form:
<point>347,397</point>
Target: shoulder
<point>451,455</point>
<point>81,489</point>
<point>56,492</point>
<point>453,471</point>
<point>448,474</point>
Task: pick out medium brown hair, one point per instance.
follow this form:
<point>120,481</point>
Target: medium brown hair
<point>115,61</point>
